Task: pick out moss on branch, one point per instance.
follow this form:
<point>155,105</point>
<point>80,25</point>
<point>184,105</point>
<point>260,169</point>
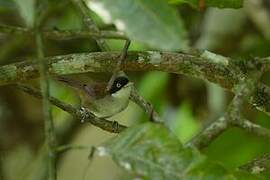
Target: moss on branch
<point>224,74</point>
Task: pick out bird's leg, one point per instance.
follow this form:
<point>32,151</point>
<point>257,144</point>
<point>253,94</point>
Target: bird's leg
<point>85,114</point>
<point>115,125</point>
<point>90,92</point>
<point>151,112</point>
<point>118,65</point>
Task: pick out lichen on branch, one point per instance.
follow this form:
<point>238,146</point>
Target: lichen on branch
<point>225,75</point>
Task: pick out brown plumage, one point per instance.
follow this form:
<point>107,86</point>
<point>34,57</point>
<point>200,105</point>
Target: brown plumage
<point>95,90</point>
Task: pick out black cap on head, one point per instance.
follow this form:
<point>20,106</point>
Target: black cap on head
<point>118,83</point>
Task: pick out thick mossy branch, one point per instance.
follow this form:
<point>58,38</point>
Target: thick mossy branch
<point>222,71</point>
<point>177,63</point>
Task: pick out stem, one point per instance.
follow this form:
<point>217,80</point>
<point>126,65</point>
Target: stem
<point>232,117</point>
<point>62,34</point>
<point>50,137</point>
<point>91,26</point>
<point>120,61</point>
<point>252,128</point>
<point>146,106</point>
<point>67,147</point>
<point>207,135</point>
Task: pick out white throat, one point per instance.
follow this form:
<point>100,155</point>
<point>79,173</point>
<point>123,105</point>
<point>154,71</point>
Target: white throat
<point>112,104</point>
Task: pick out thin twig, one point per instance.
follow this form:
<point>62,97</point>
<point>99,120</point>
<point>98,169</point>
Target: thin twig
<point>118,65</point>
<point>90,24</point>
<point>258,165</point>
<point>106,125</point>
<point>63,148</point>
<point>50,137</point>
<point>207,135</point>
<point>62,34</point>
<point>252,128</point>
<point>232,117</point>
<point>146,106</point>
<point>49,127</point>
<point>2,175</point>
<point>72,34</point>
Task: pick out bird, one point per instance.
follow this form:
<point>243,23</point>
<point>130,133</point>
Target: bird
<point>99,101</point>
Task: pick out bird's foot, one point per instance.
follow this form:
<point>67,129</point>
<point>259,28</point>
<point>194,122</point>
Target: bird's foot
<point>85,114</point>
<point>115,125</point>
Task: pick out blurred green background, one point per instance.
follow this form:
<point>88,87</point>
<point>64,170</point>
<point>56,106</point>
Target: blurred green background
<point>187,104</point>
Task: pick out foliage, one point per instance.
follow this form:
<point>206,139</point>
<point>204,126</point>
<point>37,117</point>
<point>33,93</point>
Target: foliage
<point>145,149</point>
<point>212,3</point>
<point>151,151</point>
<point>162,27</point>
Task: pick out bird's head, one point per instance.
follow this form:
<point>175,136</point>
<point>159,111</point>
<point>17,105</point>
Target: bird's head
<point>120,85</point>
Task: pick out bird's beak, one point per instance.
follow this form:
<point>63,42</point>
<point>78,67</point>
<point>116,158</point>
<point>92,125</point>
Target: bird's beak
<point>129,84</point>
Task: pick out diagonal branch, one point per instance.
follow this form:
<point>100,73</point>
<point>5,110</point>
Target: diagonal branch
<point>257,165</point>
<point>146,106</point>
<point>106,125</point>
<point>233,117</point>
<point>91,26</point>
<point>209,133</point>
<point>252,128</point>
<point>120,61</point>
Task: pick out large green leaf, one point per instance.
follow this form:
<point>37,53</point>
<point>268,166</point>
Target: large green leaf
<point>151,151</point>
<point>152,22</point>
<point>212,3</point>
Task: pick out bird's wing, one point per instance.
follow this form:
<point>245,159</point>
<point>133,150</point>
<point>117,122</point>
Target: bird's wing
<point>89,90</point>
<point>99,90</point>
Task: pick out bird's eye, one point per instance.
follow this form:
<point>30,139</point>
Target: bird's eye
<point>118,85</point>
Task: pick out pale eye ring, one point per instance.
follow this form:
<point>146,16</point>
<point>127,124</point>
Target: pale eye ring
<point>118,85</point>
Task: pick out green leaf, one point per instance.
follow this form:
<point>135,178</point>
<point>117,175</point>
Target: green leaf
<point>6,4</point>
<point>150,80</point>
<point>184,124</point>
<point>151,151</point>
<point>152,22</point>
<point>27,11</point>
<point>176,1</point>
<point>212,3</point>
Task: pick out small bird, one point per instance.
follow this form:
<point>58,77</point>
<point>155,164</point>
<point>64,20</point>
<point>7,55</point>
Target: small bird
<point>102,103</point>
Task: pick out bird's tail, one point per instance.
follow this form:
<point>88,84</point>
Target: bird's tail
<point>70,82</point>
<point>77,85</point>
